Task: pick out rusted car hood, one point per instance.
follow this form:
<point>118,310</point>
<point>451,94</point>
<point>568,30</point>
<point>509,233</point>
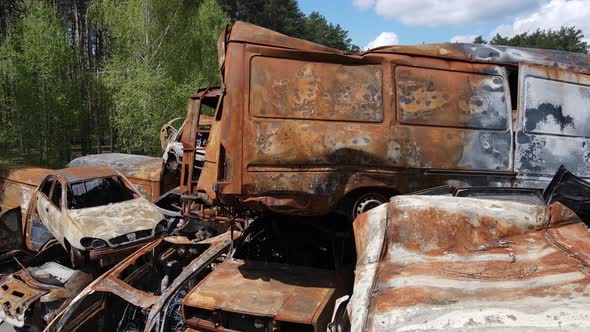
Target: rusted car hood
<point>106,222</point>
<point>450,263</point>
<point>265,289</point>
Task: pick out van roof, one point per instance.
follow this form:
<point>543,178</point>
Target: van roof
<point>481,53</point>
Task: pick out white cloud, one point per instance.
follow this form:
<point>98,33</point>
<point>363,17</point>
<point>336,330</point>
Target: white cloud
<point>363,4</point>
<point>445,12</point>
<point>551,15</point>
<point>463,39</point>
<point>384,39</point>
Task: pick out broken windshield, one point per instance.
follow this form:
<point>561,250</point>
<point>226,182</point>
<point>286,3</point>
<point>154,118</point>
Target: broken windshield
<point>98,192</point>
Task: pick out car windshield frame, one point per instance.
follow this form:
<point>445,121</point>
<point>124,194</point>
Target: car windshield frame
<point>126,189</point>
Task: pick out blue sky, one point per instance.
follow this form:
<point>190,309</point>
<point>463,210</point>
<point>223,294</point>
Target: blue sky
<point>418,21</point>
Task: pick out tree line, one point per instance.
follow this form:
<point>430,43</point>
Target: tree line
<point>564,39</point>
<point>79,75</point>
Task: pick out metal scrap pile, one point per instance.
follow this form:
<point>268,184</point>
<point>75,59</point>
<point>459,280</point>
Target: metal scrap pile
<point>406,188</point>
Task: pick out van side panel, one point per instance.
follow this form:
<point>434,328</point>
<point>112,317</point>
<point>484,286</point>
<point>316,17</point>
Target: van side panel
<point>455,120</point>
<point>554,122</point>
<point>314,125</point>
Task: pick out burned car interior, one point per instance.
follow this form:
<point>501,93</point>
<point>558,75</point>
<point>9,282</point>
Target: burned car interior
<point>119,302</point>
<point>405,188</point>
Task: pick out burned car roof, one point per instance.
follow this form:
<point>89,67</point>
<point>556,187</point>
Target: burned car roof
<point>440,263</point>
<point>245,32</point>
<point>74,174</point>
<point>144,167</point>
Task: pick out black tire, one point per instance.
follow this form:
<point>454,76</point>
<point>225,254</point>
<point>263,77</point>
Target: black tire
<point>366,202</point>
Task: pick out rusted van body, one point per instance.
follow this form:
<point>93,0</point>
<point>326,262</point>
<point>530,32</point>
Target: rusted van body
<point>300,127</point>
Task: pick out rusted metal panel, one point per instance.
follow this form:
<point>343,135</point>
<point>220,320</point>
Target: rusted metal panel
<point>17,182</point>
<point>439,263</point>
<point>571,61</point>
<point>29,175</point>
<point>451,99</point>
<point>81,173</point>
<point>50,283</point>
<point>290,89</point>
<point>283,293</point>
<point>250,33</point>
<point>17,297</point>
<point>554,122</point>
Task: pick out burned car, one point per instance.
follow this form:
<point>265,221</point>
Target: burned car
<point>280,277</point>
<point>170,138</point>
<point>251,281</point>
<point>462,263</point>
<point>32,296</point>
<point>93,212</point>
<point>145,290</point>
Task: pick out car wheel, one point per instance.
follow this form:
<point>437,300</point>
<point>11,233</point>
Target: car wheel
<point>366,202</point>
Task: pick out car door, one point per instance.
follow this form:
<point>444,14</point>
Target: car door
<point>554,124</point>
<point>49,206</point>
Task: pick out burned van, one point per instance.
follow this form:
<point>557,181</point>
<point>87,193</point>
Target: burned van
<point>304,129</point>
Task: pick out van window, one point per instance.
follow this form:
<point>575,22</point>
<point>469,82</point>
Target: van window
<point>56,195</point>
<point>555,107</point>
<point>291,89</point>
<point>47,186</point>
<point>451,99</point>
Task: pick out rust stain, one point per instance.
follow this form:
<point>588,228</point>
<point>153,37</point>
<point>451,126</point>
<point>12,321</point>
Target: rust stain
<point>275,293</point>
<point>450,261</point>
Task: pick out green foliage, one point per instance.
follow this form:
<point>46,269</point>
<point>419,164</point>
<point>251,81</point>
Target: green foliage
<point>479,40</point>
<point>39,102</point>
<point>80,75</point>
<point>564,39</point>
<point>317,29</point>
<point>161,52</point>
<point>284,16</point>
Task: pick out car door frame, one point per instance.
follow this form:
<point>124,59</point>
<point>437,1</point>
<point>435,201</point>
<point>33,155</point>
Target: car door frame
<point>51,215</point>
